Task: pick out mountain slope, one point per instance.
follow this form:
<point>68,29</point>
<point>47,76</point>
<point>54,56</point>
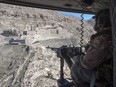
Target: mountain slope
<point>47,22</point>
<point>38,67</point>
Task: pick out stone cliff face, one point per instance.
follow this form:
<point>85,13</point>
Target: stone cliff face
<point>38,67</point>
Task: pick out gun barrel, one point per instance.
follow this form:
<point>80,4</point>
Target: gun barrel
<point>71,51</point>
<point>53,48</point>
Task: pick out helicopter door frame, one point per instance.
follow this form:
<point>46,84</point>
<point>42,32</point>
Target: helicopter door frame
<point>113,20</point>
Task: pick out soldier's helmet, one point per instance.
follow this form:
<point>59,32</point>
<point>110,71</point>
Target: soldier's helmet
<point>102,20</point>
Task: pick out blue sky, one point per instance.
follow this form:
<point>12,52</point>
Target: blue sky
<point>86,16</point>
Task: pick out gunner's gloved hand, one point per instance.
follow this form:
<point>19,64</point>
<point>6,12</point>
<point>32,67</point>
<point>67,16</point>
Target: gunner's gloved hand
<point>69,52</point>
<point>63,52</point>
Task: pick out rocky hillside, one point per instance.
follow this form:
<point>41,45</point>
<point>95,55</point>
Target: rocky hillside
<point>34,68</point>
<point>23,27</point>
<point>41,24</point>
<point>11,69</point>
<point>91,22</point>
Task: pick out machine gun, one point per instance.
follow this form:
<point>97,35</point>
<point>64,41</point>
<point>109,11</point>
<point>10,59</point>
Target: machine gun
<point>70,51</point>
<point>67,52</point>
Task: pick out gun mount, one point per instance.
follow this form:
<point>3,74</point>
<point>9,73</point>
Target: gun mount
<point>65,53</point>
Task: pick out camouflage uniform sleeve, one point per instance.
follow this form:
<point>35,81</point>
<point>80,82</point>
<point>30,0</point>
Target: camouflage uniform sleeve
<point>97,53</point>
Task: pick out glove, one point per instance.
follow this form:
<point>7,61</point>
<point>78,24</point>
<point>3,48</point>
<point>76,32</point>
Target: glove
<point>63,52</point>
<point>70,52</point>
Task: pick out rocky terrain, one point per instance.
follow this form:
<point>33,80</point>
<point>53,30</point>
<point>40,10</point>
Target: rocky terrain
<point>25,34</point>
